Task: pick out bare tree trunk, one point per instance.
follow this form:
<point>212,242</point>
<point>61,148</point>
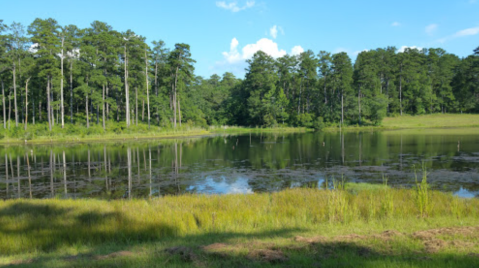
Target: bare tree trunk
<point>156,92</point>
<point>26,102</point>
<point>142,110</point>
<point>174,96</point>
<point>299,97</point>
<point>359,104</point>
<point>48,104</point>
<point>103,106</point>
<point>61,87</point>
<point>107,104</point>
<point>136,105</point>
<point>40,111</point>
<point>147,93</point>
<point>127,93</point>
<point>342,108</point>
<point>86,107</point>
<point>52,114</point>
<point>179,108</point>
<point>4,108</point>
<point>15,94</point>
<point>33,110</point>
<point>71,91</point>
<point>400,91</point>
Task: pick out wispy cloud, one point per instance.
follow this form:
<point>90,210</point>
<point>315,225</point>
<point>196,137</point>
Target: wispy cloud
<point>395,24</point>
<point>431,28</point>
<point>461,33</point>
<point>233,6</point>
<point>273,31</point>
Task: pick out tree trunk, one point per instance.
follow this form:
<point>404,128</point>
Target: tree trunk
<point>342,108</point>
<point>51,105</point>
<point>156,93</point>
<point>127,94</point>
<point>33,110</point>
<point>26,103</point>
<point>71,91</point>
<point>400,91</point>
<point>15,94</point>
<point>147,93</point>
<point>86,107</point>
<point>4,108</point>
<point>107,104</point>
<point>61,88</point>
<point>136,105</point>
<point>40,111</point>
<point>103,106</point>
<point>359,104</point>
<point>299,96</point>
<point>48,104</point>
<point>179,108</point>
<point>174,95</point>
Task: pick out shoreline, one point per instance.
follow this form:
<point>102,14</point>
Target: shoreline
<point>407,122</point>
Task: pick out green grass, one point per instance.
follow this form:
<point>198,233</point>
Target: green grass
<point>39,133</point>
<point>432,121</point>
<point>418,122</point>
<point>292,228</point>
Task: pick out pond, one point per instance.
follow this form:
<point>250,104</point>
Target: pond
<point>244,163</point>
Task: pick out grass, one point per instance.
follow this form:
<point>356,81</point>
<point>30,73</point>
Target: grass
<point>39,133</point>
<point>372,227</point>
<point>418,122</point>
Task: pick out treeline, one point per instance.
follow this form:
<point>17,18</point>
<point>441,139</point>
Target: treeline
<point>57,74</point>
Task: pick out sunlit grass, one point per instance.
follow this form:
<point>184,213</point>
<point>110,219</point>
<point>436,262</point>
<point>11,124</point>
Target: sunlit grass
<point>47,230</point>
<point>432,121</point>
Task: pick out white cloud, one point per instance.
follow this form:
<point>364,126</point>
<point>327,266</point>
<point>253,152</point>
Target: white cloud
<point>266,45</point>
<point>296,50</point>
<point>461,33</point>
<point>235,59</point>
<point>403,48</point>
<point>233,6</point>
<point>431,28</point>
<point>466,32</point>
<point>396,24</point>
<point>273,32</point>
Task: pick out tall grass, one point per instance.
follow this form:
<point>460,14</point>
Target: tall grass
<point>44,225</point>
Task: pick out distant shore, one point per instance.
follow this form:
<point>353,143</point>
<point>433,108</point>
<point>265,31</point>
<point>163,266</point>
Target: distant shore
<point>75,133</point>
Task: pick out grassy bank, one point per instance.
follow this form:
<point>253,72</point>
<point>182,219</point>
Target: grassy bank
<point>365,227</point>
<point>419,122</point>
<point>40,133</point>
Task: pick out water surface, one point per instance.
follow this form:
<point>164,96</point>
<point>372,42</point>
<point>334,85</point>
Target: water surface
<point>241,164</point>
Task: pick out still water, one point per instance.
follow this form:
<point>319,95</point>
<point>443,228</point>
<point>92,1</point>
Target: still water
<point>243,163</point>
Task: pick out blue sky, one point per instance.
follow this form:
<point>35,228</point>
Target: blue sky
<point>222,34</point>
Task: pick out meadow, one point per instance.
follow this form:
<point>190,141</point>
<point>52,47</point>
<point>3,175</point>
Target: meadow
<point>352,225</point>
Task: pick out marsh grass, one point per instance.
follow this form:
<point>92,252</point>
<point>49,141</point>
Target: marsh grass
<point>46,225</point>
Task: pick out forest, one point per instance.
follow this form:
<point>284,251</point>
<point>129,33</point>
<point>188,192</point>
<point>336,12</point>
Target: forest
<point>57,76</point>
